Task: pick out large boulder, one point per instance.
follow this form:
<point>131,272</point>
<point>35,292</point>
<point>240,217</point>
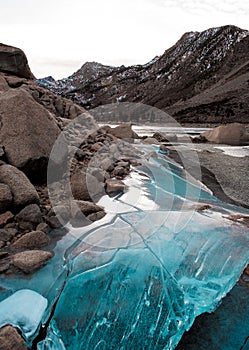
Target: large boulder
<point>124,132</point>
<point>22,190</point>
<point>14,61</point>
<point>232,134</point>
<point>28,132</point>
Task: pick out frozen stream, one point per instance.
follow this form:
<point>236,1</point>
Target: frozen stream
<point>139,277</point>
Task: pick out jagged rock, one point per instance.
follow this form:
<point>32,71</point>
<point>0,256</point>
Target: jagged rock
<point>31,260</point>
<point>114,186</point>
<point>28,133</point>
<point>233,134</point>
<point>21,188</point>
<point>29,217</point>
<point>14,61</point>
<point>123,131</point>
<point>5,218</point>
<point>10,339</point>
<point>5,197</point>
<point>59,106</point>
<point>32,240</point>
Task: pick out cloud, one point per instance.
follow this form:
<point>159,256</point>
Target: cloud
<point>203,6</point>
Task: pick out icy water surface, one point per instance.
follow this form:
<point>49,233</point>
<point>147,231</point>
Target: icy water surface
<point>138,278</point>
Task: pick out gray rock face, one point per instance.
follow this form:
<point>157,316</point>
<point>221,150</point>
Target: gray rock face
<point>14,61</point>
<point>21,188</point>
<point>29,217</point>
<point>28,132</point>
<point>32,240</point>
<point>10,339</point>
<point>31,260</point>
<point>5,197</point>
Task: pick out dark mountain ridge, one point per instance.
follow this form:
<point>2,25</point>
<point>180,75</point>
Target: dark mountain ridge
<point>203,78</point>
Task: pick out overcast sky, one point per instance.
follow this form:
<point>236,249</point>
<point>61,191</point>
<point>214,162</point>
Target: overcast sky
<point>58,36</point>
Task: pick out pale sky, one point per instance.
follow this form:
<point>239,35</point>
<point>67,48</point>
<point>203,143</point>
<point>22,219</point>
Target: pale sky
<point>58,36</point>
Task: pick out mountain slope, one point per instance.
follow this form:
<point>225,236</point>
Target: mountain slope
<point>202,78</point>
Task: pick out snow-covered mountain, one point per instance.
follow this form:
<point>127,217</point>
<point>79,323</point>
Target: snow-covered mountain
<point>204,77</point>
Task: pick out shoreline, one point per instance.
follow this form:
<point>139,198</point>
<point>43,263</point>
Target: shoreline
<point>209,179</point>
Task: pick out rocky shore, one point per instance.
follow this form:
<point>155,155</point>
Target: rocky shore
<point>31,119</point>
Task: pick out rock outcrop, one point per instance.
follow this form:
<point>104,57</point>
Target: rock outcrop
<point>31,117</point>
<point>233,134</point>
<point>28,133</point>
<point>14,61</point>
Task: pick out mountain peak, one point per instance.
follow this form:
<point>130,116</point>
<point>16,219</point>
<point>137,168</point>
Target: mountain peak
<point>207,68</point>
